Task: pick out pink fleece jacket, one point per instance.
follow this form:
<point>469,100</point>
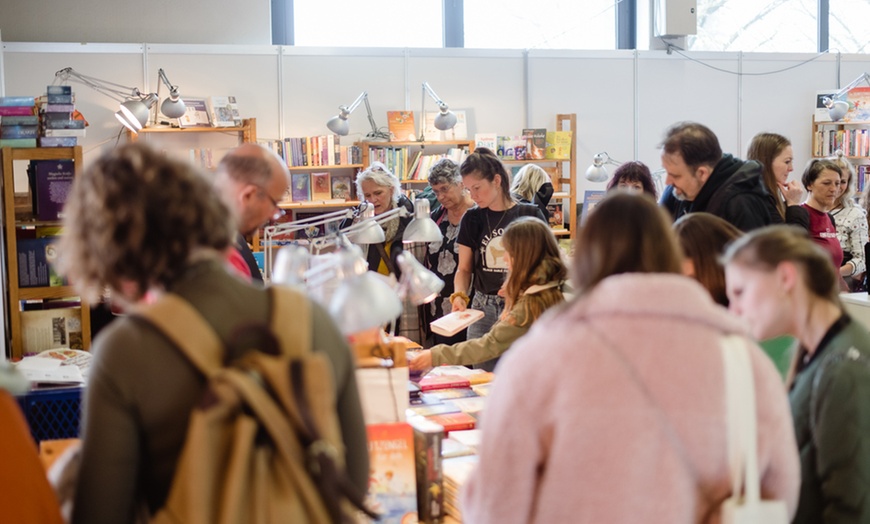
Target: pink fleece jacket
<point>569,436</point>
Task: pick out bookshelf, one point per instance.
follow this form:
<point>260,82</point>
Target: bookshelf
<point>853,138</point>
<point>203,146</point>
<point>399,156</point>
<point>20,217</point>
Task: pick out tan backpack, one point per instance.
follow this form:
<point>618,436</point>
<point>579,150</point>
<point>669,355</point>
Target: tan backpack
<point>264,443</point>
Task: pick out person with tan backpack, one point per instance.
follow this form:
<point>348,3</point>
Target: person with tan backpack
<point>217,401</point>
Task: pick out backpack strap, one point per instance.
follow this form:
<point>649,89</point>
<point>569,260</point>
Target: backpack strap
<point>187,329</point>
<point>289,305</point>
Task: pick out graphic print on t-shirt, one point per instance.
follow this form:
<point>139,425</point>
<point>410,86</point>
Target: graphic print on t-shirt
<point>494,252</point>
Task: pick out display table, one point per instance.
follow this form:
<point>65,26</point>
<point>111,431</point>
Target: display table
<point>858,306</point>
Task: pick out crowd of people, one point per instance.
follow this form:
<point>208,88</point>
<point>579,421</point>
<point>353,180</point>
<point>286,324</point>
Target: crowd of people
<point>611,361</point>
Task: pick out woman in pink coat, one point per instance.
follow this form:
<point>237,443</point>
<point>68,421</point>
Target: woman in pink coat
<point>613,409</point>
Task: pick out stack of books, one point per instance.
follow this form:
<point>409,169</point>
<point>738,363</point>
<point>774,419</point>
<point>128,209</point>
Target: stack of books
<point>456,473</point>
<point>59,128</point>
<point>18,121</point>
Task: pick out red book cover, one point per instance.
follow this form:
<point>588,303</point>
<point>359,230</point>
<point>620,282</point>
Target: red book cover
<point>443,382</point>
<point>454,421</point>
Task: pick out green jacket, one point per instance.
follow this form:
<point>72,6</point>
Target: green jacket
<point>496,341</point>
<point>830,403</point>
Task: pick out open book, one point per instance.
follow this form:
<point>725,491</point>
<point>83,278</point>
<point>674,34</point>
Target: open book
<point>453,323</point>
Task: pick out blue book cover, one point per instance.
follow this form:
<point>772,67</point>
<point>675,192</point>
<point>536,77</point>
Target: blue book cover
<point>34,269</point>
<point>58,141</point>
<point>64,124</point>
<point>52,180</point>
<point>10,131</point>
<point>59,99</point>
<point>17,101</point>
<point>58,90</point>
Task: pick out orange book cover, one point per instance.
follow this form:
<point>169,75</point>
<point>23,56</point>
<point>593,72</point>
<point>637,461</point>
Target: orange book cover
<point>393,474</point>
<point>401,125</point>
<point>454,421</point>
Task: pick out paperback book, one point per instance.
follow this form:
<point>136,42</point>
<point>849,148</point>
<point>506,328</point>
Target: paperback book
<point>558,145</point>
<point>393,475</point>
<point>401,126</point>
<point>342,187</point>
<point>224,111</point>
<point>196,113</point>
<point>300,187</point>
<point>536,143</point>
<point>454,322</point>
<point>320,187</point>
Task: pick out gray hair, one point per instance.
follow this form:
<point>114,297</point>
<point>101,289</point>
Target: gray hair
<point>380,175</point>
<point>445,171</point>
<point>528,180</point>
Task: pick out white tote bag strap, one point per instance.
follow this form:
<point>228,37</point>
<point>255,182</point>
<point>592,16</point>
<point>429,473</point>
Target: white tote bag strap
<point>741,419</point>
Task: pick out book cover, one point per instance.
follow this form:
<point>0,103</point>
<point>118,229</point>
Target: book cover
<point>536,143</point>
<point>51,328</point>
<point>342,186</point>
<point>16,110</point>
<point>401,126</point>
<point>57,141</point>
<point>17,131</point>
<point>428,410</point>
<point>224,111</point>
<point>487,140</point>
<point>17,142</point>
<point>320,186</point>
<point>196,113</point>
<point>29,120</point>
<point>393,473</point>
<point>430,483</point>
<point>591,198</point>
<point>58,90</point>
<point>454,421</point>
<point>430,382</point>
<point>451,393</point>
<point>859,105</point>
<point>17,101</point>
<point>52,181</point>
<point>33,262</point>
<point>454,322</point>
<point>300,187</point>
<point>557,218</point>
<point>558,145</point>
<point>514,148</point>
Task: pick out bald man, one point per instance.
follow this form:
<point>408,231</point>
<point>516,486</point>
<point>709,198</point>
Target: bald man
<point>251,180</point>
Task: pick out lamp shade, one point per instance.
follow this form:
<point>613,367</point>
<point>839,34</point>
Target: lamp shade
<point>338,125</point>
<point>173,108</point>
<point>138,111</point>
<point>838,109</point>
<point>418,284</point>
<point>132,124</point>
<point>422,228</point>
<point>445,120</point>
<point>596,173</point>
<point>363,302</point>
<point>291,263</point>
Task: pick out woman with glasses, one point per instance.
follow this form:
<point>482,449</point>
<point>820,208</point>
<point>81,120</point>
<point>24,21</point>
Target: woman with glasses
<point>442,258</point>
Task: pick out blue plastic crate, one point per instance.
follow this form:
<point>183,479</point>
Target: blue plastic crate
<point>52,413</point>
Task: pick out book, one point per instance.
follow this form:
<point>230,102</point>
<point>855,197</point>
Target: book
<point>51,181</point>
<point>427,410</point>
<point>195,114</point>
<point>57,141</point>
<point>859,105</point>
<point>591,198</point>
<point>454,322</point>
<point>17,131</point>
<point>342,186</point>
<point>58,90</point>
<point>59,108</point>
<point>17,101</point>
<point>67,123</point>
<point>451,393</point>
<point>536,143</point>
<point>28,120</point>
<point>458,132</point>
<point>487,140</point>
<point>512,148</point>
<point>35,256</point>
<point>430,382</point>
<point>393,473</point>
<point>65,132</point>
<point>557,217</point>
<point>59,99</point>
<point>224,111</point>
<point>401,126</point>
<point>430,482</point>
<point>300,187</point>
<point>454,421</point>
<point>17,142</point>
<point>320,188</point>
<point>558,145</point>
<point>51,328</point>
<point>16,110</point>
<point>482,389</point>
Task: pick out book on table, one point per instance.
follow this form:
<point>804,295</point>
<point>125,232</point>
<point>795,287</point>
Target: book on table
<point>454,322</point>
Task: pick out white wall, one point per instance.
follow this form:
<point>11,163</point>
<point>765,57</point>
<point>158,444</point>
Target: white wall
<point>624,100</point>
<point>158,21</point>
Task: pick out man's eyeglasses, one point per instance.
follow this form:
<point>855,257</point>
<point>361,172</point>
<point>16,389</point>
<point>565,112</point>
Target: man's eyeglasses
<point>278,211</point>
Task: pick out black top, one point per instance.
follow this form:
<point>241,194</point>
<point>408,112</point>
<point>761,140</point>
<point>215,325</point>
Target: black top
<point>481,230</point>
<point>245,250</point>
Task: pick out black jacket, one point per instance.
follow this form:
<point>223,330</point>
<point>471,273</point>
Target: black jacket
<point>734,192</point>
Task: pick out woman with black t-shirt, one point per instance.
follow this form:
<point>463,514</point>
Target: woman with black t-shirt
<point>481,253</point>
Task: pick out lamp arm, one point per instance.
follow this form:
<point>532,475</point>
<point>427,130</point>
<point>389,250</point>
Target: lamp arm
<point>102,86</point>
<point>363,96</point>
<point>379,220</point>
<point>441,105</point>
<point>173,90</point>
<point>299,225</point>
<point>842,92</point>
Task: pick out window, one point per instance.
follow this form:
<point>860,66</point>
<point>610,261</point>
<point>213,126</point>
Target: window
<point>847,26</point>
<point>374,23</point>
<point>758,25</point>
<point>543,24</point>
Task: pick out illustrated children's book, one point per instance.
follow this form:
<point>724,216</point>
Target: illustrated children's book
<point>300,187</point>
<point>393,477</point>
<point>401,125</point>
<point>320,189</point>
<point>342,187</point>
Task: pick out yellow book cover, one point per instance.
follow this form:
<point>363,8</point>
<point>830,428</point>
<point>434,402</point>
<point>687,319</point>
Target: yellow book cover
<point>401,125</point>
<point>558,145</point>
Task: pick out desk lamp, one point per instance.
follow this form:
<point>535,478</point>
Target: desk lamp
<point>135,107</point>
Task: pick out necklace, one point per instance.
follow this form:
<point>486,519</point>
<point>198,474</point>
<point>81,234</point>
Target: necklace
<point>503,214</point>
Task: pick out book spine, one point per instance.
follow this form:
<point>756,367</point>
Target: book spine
<point>64,132</point>
<point>31,120</point>
<point>58,141</point>
<point>63,124</point>
<point>17,142</point>
<point>16,110</point>
<point>58,90</point>
<point>19,101</point>
<point>59,99</point>
<point>59,108</point>
<point>9,131</point>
